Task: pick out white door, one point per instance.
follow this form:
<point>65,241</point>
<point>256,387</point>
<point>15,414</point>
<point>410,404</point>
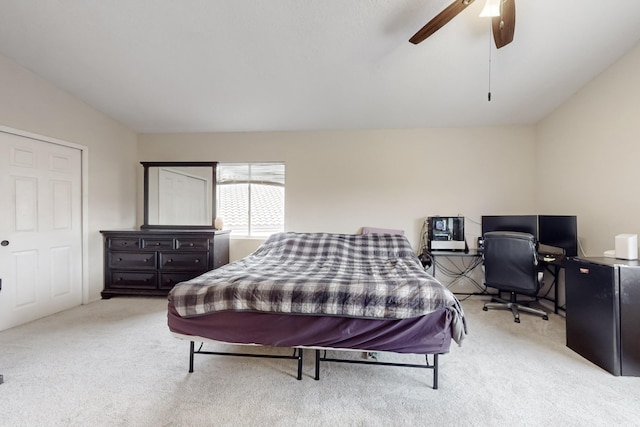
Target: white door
<point>40,229</point>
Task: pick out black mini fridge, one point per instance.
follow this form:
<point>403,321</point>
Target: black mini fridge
<point>603,312</point>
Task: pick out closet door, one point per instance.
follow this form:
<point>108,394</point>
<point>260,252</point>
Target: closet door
<point>40,229</point>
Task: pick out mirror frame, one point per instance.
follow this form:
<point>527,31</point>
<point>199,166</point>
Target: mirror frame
<point>147,165</point>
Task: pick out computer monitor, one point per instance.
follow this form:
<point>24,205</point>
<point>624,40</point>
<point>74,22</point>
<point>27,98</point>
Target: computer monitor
<point>559,231</point>
<point>521,223</point>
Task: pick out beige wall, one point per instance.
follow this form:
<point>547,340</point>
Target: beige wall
<point>30,104</point>
<point>581,160</point>
<point>339,181</point>
<point>589,157</point>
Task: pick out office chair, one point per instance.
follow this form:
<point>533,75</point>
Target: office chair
<point>511,265</point>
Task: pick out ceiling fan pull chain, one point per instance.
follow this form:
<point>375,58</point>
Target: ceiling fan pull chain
<point>489,92</point>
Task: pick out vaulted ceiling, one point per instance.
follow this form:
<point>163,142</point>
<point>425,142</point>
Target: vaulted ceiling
<point>266,65</point>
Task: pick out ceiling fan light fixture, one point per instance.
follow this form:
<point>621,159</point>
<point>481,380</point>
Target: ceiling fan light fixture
<point>491,9</point>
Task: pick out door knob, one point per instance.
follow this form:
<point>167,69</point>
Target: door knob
<point>4,243</point>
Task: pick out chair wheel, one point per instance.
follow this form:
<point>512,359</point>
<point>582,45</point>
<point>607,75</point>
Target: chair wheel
<point>485,308</point>
<point>516,320</point>
<point>545,317</point>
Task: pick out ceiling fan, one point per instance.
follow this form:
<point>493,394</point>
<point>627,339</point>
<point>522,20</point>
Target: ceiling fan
<point>503,21</point>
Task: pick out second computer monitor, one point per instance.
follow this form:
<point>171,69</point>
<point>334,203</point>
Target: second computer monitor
<point>559,231</point>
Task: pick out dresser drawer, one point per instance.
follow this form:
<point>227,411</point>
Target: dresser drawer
<point>157,244</point>
<point>169,280</point>
<point>123,243</point>
<point>133,280</point>
<point>192,244</point>
<point>134,260</point>
<point>192,261</point>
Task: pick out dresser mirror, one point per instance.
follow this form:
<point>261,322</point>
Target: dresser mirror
<point>179,195</point>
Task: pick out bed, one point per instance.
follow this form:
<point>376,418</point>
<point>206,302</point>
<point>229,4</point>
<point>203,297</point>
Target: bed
<point>321,291</point>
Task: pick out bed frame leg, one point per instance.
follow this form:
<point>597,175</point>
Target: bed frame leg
<point>300,355</point>
<point>317,376</point>
<point>435,370</point>
<point>191,351</point>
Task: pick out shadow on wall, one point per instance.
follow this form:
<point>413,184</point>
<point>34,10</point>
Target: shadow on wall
<point>241,247</point>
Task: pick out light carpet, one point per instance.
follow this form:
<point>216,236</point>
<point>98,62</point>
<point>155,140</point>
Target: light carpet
<point>114,363</point>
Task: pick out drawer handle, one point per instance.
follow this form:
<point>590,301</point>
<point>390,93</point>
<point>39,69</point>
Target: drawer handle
<point>197,261</point>
<point>119,259</point>
<point>169,260</point>
<point>191,244</point>
<point>157,243</point>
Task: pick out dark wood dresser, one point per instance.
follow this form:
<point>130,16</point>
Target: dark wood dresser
<point>151,262</point>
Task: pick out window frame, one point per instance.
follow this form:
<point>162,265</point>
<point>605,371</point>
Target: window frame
<point>250,181</point>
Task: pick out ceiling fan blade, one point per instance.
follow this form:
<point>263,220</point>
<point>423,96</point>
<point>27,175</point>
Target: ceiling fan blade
<point>504,25</point>
<point>440,20</point>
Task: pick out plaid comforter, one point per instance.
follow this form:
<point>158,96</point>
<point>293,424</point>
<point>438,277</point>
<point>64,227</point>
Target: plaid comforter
<point>376,276</point>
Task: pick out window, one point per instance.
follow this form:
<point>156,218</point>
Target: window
<point>250,198</point>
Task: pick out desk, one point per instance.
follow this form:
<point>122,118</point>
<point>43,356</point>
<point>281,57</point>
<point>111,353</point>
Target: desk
<point>553,267</point>
<point>472,255</point>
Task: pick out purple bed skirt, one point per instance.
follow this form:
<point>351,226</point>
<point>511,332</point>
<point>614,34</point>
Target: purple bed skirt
<point>429,334</point>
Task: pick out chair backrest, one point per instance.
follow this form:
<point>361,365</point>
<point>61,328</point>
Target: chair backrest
<point>511,262</point>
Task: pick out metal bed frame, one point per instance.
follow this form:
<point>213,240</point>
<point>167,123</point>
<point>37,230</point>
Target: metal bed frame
<point>298,353</point>
<point>427,365</point>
